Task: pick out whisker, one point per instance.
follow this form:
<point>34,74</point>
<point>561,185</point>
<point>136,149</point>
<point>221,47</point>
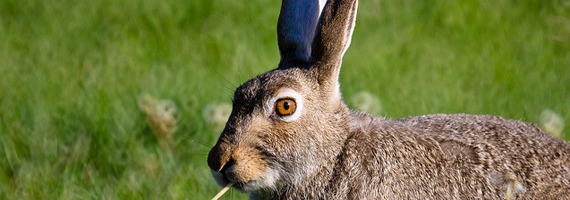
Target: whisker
<point>233,86</point>
<point>204,144</point>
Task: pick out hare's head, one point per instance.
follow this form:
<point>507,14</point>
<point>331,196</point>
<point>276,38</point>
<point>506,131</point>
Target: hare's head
<point>287,122</point>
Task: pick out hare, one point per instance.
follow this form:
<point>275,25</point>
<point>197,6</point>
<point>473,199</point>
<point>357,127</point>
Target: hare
<point>291,136</point>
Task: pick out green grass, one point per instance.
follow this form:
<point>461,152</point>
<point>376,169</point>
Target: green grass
<point>71,73</point>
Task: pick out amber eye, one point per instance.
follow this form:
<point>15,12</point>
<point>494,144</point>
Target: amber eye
<point>285,107</point>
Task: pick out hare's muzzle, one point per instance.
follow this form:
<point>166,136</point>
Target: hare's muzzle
<point>241,164</point>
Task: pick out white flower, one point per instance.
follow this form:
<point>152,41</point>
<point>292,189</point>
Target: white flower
<point>551,123</point>
<point>216,114</point>
<point>367,102</point>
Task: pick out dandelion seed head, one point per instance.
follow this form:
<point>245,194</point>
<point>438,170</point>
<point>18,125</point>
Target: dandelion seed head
<point>367,102</point>
<point>216,114</point>
<point>551,123</point>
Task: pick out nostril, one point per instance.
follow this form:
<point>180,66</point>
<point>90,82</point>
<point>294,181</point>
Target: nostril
<point>227,165</point>
<point>228,171</point>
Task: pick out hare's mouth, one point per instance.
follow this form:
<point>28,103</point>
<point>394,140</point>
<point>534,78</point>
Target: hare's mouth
<point>264,182</point>
<point>223,180</point>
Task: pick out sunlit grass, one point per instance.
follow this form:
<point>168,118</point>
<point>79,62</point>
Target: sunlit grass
<point>71,128</point>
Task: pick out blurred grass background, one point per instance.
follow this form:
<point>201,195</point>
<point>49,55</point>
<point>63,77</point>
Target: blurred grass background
<point>72,72</point>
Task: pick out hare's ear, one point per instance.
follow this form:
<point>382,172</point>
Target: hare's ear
<point>332,39</point>
<point>296,29</point>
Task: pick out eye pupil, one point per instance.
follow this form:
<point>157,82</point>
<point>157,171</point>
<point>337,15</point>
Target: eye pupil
<point>286,105</point>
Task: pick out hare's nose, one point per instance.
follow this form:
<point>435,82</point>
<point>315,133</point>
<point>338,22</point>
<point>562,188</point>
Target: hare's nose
<point>222,162</point>
<point>219,157</point>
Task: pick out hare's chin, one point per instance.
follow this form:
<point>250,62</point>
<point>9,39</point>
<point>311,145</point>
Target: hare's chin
<point>266,181</point>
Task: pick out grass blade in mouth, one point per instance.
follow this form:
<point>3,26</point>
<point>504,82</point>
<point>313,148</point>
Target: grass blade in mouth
<point>223,191</point>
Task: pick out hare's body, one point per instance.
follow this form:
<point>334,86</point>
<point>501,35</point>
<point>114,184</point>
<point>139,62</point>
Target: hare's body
<point>291,136</point>
<point>454,156</point>
<point>439,157</point>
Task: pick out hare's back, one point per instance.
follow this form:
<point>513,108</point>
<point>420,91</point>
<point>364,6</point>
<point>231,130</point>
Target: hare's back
<point>491,134</point>
<point>495,130</point>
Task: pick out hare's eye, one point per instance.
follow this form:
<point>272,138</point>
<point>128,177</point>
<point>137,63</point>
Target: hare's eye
<point>285,107</point>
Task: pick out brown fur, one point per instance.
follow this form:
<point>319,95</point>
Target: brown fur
<point>330,152</point>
